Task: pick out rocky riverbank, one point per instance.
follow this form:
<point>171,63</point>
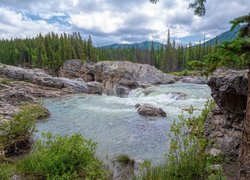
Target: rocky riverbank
<point>112,78</point>
<point>224,124</point>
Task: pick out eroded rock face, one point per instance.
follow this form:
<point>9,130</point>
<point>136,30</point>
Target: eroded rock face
<point>117,77</point>
<point>224,124</point>
<point>38,76</point>
<point>149,110</point>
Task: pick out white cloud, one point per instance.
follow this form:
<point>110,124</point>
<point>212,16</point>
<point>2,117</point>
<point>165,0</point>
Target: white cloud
<point>13,24</point>
<point>117,20</point>
<point>106,22</point>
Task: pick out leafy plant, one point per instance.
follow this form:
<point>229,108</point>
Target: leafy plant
<point>58,157</point>
<point>15,134</point>
<point>36,110</point>
<point>6,171</point>
<point>125,160</point>
<point>187,157</point>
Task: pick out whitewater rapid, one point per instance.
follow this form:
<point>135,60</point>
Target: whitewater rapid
<point>114,123</point>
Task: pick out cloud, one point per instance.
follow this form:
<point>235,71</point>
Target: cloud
<point>110,21</point>
<point>13,25</point>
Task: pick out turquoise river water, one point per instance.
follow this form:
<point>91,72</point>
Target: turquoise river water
<point>116,126</point>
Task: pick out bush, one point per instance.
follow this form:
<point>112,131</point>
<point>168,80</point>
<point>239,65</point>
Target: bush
<point>15,134</point>
<point>36,110</point>
<point>125,160</point>
<point>188,73</point>
<point>187,157</point>
<point>57,157</point>
<point>6,171</point>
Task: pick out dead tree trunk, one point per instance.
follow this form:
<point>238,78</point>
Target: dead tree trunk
<point>244,173</point>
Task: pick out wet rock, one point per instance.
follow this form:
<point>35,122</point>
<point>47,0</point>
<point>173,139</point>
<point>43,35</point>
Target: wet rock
<point>149,110</point>
<point>137,105</point>
<point>95,88</point>
<point>194,80</point>
<point>224,124</point>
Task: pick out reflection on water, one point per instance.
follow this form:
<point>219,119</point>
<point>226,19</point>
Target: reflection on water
<point>115,125</point>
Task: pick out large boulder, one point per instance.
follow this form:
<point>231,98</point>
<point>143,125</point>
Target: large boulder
<point>38,76</point>
<point>224,124</point>
<point>149,110</point>
<point>117,77</point>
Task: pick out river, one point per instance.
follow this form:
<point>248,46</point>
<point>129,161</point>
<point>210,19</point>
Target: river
<point>116,126</point>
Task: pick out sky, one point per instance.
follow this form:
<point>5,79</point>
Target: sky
<point>118,21</point>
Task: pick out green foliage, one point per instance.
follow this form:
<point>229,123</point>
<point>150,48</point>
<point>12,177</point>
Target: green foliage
<point>58,157</point>
<point>125,160</point>
<point>245,31</point>
<point>4,81</point>
<point>48,52</point>
<point>199,7</point>
<point>230,54</point>
<point>6,171</point>
<point>187,73</point>
<point>197,65</point>
<point>37,111</point>
<point>15,134</point>
<point>187,157</point>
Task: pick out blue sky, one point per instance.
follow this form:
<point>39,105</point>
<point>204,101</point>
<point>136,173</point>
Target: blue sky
<point>118,21</point>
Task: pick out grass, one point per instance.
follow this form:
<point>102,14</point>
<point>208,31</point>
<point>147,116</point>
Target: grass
<point>36,110</point>
<point>6,171</point>
<point>187,158</point>
<point>58,157</point>
<point>125,160</point>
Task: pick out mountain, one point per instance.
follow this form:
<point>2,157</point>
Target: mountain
<point>226,36</point>
<point>143,45</point>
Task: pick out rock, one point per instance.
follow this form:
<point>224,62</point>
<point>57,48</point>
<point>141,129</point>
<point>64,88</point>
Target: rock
<point>38,76</point>
<point>229,90</point>
<point>137,105</point>
<point>149,110</point>
<point>95,88</point>
<point>215,167</point>
<point>224,124</point>
<point>117,77</point>
<point>214,152</point>
<point>71,69</point>
<point>17,97</point>
<point>194,80</point>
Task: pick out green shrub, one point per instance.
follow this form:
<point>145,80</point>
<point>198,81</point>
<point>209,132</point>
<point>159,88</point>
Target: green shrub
<point>125,160</point>
<point>187,157</point>
<point>6,171</point>
<point>36,110</point>
<point>15,134</point>
<point>188,73</point>
<point>57,157</point>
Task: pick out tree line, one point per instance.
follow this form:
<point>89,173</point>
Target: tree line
<point>50,51</point>
<point>171,57</point>
<point>47,52</point>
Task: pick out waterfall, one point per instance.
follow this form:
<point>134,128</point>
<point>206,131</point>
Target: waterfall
<point>136,93</point>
